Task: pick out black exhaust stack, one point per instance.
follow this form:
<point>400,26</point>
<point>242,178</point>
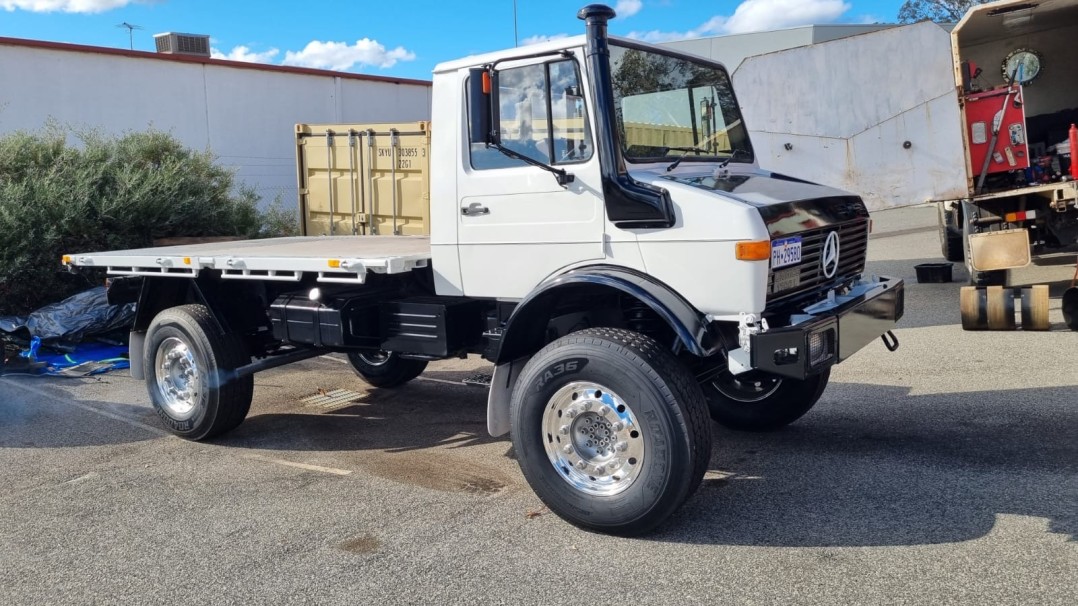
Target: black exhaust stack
<point>629,203</point>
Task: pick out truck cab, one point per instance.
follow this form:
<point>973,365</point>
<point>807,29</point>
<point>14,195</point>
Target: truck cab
<point>600,230</point>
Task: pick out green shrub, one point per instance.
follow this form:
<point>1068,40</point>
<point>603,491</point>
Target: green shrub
<point>108,193</point>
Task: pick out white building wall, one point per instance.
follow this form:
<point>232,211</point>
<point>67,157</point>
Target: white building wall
<point>246,116</point>
<point>732,49</point>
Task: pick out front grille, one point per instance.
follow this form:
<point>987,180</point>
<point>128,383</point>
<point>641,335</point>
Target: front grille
<point>853,247</point>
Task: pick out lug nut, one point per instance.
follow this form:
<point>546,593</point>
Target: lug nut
<point>564,430</point>
<point>618,426</point>
<point>567,449</point>
<point>581,465</point>
<point>604,410</point>
<point>572,412</point>
<point>587,405</point>
<point>622,446</point>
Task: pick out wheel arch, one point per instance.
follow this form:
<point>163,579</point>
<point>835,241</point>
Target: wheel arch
<point>526,330</point>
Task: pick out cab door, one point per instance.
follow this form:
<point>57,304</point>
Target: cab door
<point>517,225</point>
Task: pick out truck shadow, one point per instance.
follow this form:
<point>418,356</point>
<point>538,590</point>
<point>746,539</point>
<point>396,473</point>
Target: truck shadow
<point>436,411</point>
<point>30,421</point>
<point>902,470</point>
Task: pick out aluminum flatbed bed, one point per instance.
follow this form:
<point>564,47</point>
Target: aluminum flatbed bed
<point>342,259</point>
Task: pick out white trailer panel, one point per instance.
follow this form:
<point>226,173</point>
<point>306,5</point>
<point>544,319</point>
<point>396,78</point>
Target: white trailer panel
<point>875,114</point>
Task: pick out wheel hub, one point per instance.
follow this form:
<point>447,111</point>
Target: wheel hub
<point>592,438</point>
<point>178,378</point>
<point>375,358</point>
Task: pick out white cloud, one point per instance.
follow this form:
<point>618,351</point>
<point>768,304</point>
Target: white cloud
<point>712,27</point>
<point>341,56</point>
<point>243,53</point>
<point>757,15</point>
<point>65,6</point>
<point>541,38</point>
<point>628,8</point>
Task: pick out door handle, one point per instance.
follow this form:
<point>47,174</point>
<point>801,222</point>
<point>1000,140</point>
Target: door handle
<point>474,209</point>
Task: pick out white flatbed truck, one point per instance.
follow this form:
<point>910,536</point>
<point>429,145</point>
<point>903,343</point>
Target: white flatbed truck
<point>623,286</point>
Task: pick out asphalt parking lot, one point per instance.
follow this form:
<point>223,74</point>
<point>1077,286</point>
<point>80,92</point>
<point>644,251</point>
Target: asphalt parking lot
<point>946,472</point>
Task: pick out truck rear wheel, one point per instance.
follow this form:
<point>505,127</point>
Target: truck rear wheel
<point>610,430</point>
<point>385,368</point>
<point>757,401</point>
<point>189,363</point>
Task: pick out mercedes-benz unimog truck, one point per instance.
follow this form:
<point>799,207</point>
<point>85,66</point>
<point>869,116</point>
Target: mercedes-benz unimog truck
<point>600,231</point>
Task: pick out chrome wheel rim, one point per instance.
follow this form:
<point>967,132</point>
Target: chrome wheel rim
<point>178,378</point>
<point>750,387</point>
<point>592,439</point>
<point>376,358</point>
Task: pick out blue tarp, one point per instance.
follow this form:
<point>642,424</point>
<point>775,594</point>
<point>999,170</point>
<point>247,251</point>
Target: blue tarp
<point>87,359</point>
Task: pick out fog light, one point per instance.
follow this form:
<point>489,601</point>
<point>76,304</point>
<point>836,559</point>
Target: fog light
<point>821,346</point>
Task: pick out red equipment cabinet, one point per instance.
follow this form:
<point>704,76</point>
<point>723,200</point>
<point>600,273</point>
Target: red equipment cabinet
<point>1011,151</point>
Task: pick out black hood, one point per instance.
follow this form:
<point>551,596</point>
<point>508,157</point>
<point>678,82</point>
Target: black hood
<point>787,205</point>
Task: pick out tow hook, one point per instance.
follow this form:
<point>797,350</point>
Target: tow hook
<point>890,341</point>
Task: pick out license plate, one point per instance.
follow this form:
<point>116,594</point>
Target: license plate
<point>786,279</point>
<point>786,251</point>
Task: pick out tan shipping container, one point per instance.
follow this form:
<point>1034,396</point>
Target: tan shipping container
<point>358,179</point>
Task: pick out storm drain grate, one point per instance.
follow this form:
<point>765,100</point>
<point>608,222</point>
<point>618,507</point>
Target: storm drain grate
<point>338,398</point>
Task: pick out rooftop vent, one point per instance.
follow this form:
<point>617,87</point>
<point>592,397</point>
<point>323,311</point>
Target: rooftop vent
<point>183,44</point>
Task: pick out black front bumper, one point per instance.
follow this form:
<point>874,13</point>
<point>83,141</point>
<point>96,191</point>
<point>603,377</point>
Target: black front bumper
<point>830,331</point>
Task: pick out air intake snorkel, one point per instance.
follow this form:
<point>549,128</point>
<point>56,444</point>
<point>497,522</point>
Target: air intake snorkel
<point>629,203</point>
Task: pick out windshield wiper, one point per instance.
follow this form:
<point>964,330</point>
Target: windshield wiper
<point>563,177</point>
<point>698,151</point>
<point>733,154</point>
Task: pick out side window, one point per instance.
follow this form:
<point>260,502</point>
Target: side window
<point>542,117</point>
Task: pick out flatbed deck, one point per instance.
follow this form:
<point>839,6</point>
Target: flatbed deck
<point>345,259</point>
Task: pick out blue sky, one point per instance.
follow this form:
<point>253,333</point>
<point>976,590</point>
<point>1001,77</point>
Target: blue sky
<point>388,39</point>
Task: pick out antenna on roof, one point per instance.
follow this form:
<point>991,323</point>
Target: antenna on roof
<point>130,32</point>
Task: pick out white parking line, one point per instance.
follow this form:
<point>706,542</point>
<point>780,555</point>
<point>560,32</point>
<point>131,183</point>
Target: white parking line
<point>420,377</point>
<point>96,411</point>
<point>163,433</point>
<point>332,470</point>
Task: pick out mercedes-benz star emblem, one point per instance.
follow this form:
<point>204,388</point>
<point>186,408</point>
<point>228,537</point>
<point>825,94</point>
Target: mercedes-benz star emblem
<point>829,257</point>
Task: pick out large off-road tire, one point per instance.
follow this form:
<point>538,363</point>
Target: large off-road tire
<point>757,401</point>
<point>950,233</point>
<point>610,430</point>
<point>385,368</point>
<point>189,365</point>
<point>997,277</point>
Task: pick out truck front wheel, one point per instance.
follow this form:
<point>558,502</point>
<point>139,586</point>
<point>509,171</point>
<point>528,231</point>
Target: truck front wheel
<point>385,368</point>
<point>189,365</point>
<point>756,401</point>
<point>610,430</point>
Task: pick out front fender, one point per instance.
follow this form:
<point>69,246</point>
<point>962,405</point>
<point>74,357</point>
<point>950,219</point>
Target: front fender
<point>525,332</point>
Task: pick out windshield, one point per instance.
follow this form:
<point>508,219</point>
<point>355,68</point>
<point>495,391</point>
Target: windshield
<point>670,107</point>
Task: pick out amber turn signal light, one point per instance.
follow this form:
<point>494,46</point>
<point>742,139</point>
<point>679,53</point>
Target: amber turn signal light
<point>753,251</point>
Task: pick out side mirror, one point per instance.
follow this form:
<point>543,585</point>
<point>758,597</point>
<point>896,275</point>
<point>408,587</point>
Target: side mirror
<point>482,106</point>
